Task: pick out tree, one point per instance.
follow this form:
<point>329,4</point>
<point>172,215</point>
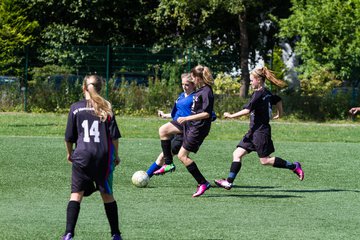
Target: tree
<point>228,29</point>
<point>327,34</point>
<point>16,32</point>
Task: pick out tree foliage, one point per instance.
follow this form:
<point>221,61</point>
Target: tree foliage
<point>16,32</point>
<point>327,34</point>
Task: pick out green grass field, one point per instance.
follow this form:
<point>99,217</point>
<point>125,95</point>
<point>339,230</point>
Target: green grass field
<point>266,203</point>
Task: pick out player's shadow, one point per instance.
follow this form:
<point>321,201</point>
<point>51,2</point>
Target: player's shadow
<point>319,190</point>
<point>257,195</point>
<point>33,125</point>
<point>273,189</point>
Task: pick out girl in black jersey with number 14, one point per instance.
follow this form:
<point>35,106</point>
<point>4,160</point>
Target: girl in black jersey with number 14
<point>258,138</point>
<point>92,127</point>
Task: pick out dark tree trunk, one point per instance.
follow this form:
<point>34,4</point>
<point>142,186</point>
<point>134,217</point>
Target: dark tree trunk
<point>244,56</point>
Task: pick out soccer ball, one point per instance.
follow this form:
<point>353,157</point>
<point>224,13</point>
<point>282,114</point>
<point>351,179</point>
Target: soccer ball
<point>140,179</point>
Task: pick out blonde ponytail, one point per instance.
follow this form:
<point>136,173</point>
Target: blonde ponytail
<point>264,73</point>
<point>102,107</point>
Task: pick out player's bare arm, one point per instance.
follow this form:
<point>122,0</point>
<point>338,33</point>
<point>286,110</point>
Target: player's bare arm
<point>237,114</point>
<point>279,110</point>
<point>194,117</point>
<point>116,151</point>
<point>354,110</point>
<point>69,149</point>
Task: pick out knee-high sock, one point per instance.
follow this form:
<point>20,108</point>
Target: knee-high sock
<point>72,214</point>
<point>234,170</point>
<point>111,210</point>
<point>166,148</point>
<point>195,172</point>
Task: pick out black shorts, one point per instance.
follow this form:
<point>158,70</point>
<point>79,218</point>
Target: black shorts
<point>193,138</point>
<point>92,178</point>
<point>178,125</point>
<point>176,143</point>
<point>258,141</point>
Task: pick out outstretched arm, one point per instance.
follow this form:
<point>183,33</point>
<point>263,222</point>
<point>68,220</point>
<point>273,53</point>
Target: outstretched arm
<point>164,115</point>
<point>237,114</point>
<point>354,110</point>
<point>198,116</point>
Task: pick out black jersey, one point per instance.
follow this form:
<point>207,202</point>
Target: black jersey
<point>260,107</point>
<point>203,102</point>
<point>91,135</point>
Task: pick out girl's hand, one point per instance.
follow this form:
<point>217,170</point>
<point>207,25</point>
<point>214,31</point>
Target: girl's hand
<point>68,157</point>
<point>161,114</point>
<point>354,110</point>
<point>227,115</point>
<point>117,160</point>
<point>182,120</point>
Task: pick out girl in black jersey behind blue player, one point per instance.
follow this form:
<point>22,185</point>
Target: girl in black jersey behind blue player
<point>258,138</point>
<point>92,128</point>
<point>194,127</point>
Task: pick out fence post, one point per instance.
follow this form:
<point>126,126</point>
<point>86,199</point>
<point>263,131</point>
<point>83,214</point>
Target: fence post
<point>107,70</point>
<point>25,87</point>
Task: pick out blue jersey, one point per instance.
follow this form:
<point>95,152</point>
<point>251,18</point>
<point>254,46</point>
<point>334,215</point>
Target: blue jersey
<point>182,106</point>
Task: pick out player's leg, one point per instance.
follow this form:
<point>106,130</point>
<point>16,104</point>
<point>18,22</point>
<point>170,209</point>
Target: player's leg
<point>155,166</point>
<point>278,162</point>
<point>234,169</point>
<point>264,147</point>
<point>169,165</point>
<point>193,169</point>
<point>165,133</point>
<point>111,210</point>
<point>72,214</point>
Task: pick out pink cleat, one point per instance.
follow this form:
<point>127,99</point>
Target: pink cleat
<point>298,171</point>
<point>201,189</point>
<point>224,184</point>
<point>165,169</point>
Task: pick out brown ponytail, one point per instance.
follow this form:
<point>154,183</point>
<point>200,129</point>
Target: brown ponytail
<point>264,73</point>
<point>204,73</point>
<point>93,84</point>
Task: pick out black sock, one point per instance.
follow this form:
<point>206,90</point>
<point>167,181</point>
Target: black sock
<point>166,148</point>
<point>195,172</point>
<point>234,170</point>
<point>281,163</point>
<point>72,214</point>
<point>111,210</point>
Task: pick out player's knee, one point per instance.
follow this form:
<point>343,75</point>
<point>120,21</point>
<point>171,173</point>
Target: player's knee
<point>265,161</point>
<point>163,131</point>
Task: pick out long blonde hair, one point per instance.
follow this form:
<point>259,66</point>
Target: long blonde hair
<point>204,73</point>
<point>93,84</point>
<point>264,73</point>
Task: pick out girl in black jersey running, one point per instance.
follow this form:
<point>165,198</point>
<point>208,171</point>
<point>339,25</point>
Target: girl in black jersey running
<point>194,127</point>
<point>258,138</point>
<point>92,128</point>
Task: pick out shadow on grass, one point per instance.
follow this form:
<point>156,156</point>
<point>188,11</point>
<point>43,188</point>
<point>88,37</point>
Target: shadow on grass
<point>320,190</point>
<point>272,189</point>
<point>33,125</point>
<point>250,196</point>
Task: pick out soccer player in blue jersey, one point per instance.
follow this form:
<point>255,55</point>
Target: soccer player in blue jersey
<point>92,128</point>
<point>194,127</point>
<point>181,108</point>
<point>258,138</point>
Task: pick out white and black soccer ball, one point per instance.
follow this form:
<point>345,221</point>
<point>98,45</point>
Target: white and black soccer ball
<point>140,179</point>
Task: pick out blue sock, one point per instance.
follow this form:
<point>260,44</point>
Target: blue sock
<point>152,169</point>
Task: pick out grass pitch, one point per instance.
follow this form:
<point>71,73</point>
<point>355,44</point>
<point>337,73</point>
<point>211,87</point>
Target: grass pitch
<point>265,203</point>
